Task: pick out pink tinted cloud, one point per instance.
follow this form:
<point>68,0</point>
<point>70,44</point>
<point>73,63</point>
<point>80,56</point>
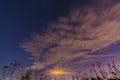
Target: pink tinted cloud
<point>75,36</point>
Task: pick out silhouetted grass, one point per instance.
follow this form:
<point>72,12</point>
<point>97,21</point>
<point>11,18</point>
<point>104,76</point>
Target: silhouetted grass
<point>97,71</point>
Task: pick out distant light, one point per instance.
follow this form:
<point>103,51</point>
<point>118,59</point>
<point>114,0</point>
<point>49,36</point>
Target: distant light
<point>58,72</point>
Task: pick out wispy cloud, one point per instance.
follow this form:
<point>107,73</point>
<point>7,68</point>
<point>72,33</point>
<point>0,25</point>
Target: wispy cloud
<point>75,36</point>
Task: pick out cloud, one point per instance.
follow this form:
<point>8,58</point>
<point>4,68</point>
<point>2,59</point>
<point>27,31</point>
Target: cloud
<point>76,36</point>
<point>36,65</point>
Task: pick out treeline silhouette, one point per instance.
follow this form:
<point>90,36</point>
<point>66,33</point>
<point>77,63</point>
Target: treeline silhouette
<point>97,71</point>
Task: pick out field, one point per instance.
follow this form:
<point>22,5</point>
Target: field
<point>97,71</point>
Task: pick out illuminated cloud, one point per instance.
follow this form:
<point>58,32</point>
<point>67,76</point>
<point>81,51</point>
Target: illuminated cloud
<point>76,36</point>
<point>36,65</point>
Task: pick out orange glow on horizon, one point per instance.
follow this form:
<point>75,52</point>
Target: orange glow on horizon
<point>58,72</point>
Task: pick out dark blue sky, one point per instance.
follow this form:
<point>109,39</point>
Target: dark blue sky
<point>20,18</point>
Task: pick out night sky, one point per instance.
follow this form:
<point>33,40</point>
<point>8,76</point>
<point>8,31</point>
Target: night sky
<point>19,19</point>
<point>64,34</point>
